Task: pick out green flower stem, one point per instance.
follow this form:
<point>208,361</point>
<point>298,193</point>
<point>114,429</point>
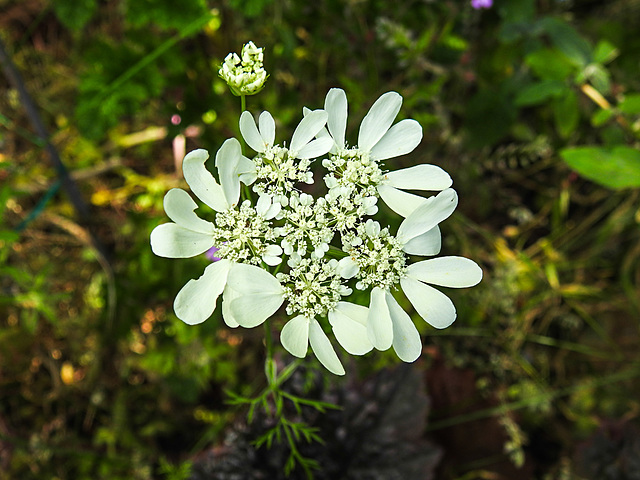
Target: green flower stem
<point>243,107</point>
<point>270,368</point>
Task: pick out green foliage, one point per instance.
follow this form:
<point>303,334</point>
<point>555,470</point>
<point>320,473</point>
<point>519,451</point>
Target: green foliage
<point>75,14</point>
<point>616,168</point>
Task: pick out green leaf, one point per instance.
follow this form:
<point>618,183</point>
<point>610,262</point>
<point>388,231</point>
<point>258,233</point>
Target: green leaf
<point>605,52</point>
<point>568,40</point>
<point>75,14</point>
<point>540,92</point>
<point>601,117</point>
<point>630,104</point>
<point>566,113</point>
<point>550,64</point>
<point>614,168</point>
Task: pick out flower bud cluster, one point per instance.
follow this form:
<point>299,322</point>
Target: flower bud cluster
<point>246,75</point>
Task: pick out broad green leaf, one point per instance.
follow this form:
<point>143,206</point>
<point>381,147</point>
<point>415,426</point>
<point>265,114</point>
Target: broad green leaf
<point>550,64</point>
<point>568,40</point>
<point>614,168</point>
<point>566,114</point>
<point>630,104</point>
<point>601,117</point>
<point>605,52</point>
<point>540,92</point>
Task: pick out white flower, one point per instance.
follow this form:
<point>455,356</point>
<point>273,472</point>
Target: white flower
<point>303,145</point>
<point>389,325</point>
<point>279,168</point>
<point>301,331</point>
<point>189,235</point>
<point>246,75</point>
<point>377,141</point>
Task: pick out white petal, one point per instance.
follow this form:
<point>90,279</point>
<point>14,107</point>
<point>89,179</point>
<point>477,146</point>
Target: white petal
<point>378,120</point>
<point>272,255</point>
<point>347,268</point>
<point>401,139</point>
<point>427,244</point>
<point>349,323</point>
<point>263,204</point>
<point>252,310</point>
<point>323,349</point>
<point>180,208</point>
<point>249,279</point>
<point>228,295</point>
<point>202,183</point>
<point>428,215</point>
<point>379,326</point>
<point>267,128</point>
<point>294,336</point>
<point>432,305</point>
<point>173,241</point>
<point>403,203</point>
<point>406,339</point>
<point>307,129</point>
<point>260,294</point>
<point>316,148</point>
<point>419,177</point>
<point>336,106</point>
<point>196,301</point>
<point>250,132</point>
<point>457,272</point>
<point>227,159</point>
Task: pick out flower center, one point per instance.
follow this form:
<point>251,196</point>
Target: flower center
<point>278,171</point>
<point>378,254</point>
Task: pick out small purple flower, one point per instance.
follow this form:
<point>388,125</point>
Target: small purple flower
<point>210,254</point>
<point>478,4</point>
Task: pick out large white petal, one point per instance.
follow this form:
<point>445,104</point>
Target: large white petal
<point>251,310</point>
<point>173,241</point>
<point>336,106</point>
<point>428,215</point>
<point>228,295</point>
<point>180,208</point>
<point>401,139</point>
<point>457,272</point>
<point>227,159</point>
<point>349,323</point>
<point>294,336</point>
<point>202,183</point>
<point>419,177</point>
<point>250,132</point>
<point>322,348</point>
<point>378,120</point>
<point>432,305</point>
<point>316,148</point>
<point>403,203</point>
<point>406,339</point>
<point>379,326</point>
<point>307,129</point>
<point>427,244</point>
<point>267,128</point>
<point>249,279</point>
<point>196,301</point>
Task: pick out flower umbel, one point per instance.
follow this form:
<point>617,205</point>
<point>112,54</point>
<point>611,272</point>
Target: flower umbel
<point>245,75</point>
<point>280,246</point>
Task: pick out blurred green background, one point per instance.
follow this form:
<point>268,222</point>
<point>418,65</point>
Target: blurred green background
<point>533,107</point>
